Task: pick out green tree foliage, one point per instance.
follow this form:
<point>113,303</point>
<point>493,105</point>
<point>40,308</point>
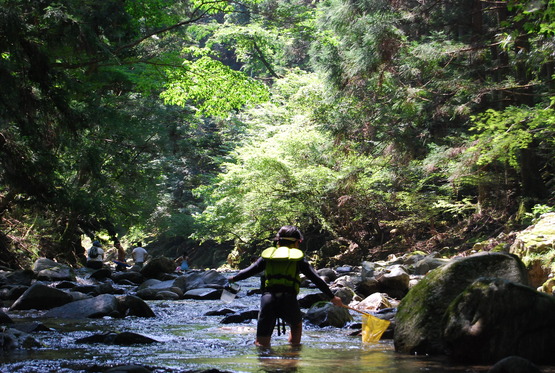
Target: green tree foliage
<point>83,134</point>
<point>277,176</point>
<point>377,124</point>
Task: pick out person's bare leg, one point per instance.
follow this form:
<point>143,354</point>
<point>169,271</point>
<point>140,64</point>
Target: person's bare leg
<point>263,342</point>
<point>296,334</point>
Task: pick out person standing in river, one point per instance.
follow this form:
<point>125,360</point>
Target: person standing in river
<point>282,266</point>
<point>139,255</point>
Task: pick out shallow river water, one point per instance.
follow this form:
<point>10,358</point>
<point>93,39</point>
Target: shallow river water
<point>190,341</point>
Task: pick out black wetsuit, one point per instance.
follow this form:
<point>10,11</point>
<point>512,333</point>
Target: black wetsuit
<point>280,302</point>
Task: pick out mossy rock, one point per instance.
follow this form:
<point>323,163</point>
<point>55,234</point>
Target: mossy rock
<point>537,239</point>
<point>420,313</point>
<point>536,247</point>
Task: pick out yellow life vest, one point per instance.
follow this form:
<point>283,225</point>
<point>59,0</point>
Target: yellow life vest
<point>281,272</point>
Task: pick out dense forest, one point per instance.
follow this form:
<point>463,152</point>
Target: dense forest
<point>377,126</point>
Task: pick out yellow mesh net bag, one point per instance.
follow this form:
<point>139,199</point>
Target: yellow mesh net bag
<point>373,328</point>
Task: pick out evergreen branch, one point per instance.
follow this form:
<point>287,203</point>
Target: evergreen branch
<point>264,61</point>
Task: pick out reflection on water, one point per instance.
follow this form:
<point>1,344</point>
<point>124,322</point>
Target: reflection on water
<point>189,341</point>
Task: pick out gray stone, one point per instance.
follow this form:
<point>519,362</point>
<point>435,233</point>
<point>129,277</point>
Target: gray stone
<point>131,305</point>
<point>41,297</point>
<point>203,294</point>
<point>158,266</point>
<point>418,321</point>
<point>514,364</point>
<point>99,306</point>
<point>326,314</point>
<point>494,318</point>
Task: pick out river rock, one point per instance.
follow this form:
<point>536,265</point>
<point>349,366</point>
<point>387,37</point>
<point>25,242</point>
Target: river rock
<point>200,279</point>
<point>327,274</point>
<point>131,305</point>
<point>306,301</point>
<point>128,369</point>
<point>147,294</point>
<point>155,289</point>
<point>375,302</point>
<point>394,281</point>
<point>418,320</point>
<point>346,294</point>
<point>12,292</point>
<point>13,339</point>
<point>428,263</point>
<point>86,289</point>
<point>108,288</point>
<point>4,318</point>
<point>20,277</point>
<point>220,312</point>
<point>150,283</point>
<point>121,339</point>
<point>367,270</point>
<point>368,286</point>
<point>158,266</point>
<point>532,244</point>
<point>348,281</point>
<point>167,295</point>
<point>240,317</point>
<point>49,270</point>
<point>326,314</point>
<point>65,285</point>
<point>128,277</point>
<point>495,318</point>
<point>203,294</point>
<point>213,277</point>
<point>514,364</point>
<point>77,295</point>
<point>99,306</point>
<point>101,274</point>
<point>41,297</point>
<point>31,327</point>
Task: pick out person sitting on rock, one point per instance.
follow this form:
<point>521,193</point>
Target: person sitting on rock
<point>182,262</point>
<point>95,256</point>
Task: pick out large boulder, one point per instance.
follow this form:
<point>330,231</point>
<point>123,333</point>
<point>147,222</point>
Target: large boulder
<point>20,277</point>
<point>420,313</point>
<point>97,307</point>
<point>494,318</point>
<point>12,339</point>
<point>200,279</point>
<point>394,281</point>
<point>157,267</point>
<point>41,297</point>
<point>131,305</point>
<point>49,270</point>
<point>535,246</point>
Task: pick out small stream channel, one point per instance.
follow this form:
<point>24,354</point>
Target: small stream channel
<point>190,341</point>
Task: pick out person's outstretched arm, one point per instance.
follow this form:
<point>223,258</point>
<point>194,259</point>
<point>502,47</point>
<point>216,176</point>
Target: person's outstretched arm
<point>312,275</point>
<point>258,266</point>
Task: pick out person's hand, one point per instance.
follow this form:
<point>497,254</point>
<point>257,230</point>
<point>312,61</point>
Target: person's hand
<point>337,301</point>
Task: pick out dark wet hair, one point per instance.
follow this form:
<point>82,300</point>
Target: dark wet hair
<point>287,235</point>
